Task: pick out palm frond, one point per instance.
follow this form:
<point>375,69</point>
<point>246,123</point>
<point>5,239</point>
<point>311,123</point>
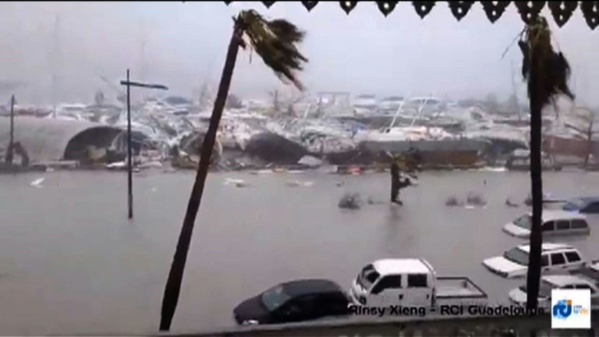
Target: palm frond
<point>552,66</point>
<point>276,43</point>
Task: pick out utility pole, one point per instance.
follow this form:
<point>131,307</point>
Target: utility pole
<point>128,83</point>
<point>11,141</point>
<point>56,64</point>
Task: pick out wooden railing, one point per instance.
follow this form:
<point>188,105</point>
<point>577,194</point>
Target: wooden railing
<point>537,326</point>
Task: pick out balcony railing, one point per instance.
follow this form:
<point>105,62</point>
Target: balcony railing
<point>538,326</point>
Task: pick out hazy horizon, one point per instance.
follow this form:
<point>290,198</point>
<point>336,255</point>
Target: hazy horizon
<point>182,45</point>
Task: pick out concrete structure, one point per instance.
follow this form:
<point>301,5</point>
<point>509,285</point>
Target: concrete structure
<point>50,140</point>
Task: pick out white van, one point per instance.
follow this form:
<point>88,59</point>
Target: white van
<point>550,282</point>
<point>409,282</point>
<point>554,257</point>
<point>554,223</point>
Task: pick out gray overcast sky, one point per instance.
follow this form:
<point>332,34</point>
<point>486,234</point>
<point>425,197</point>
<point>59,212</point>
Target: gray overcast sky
<point>186,43</point>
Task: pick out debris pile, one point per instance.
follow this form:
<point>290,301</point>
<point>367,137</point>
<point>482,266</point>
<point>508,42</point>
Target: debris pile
<point>350,201</point>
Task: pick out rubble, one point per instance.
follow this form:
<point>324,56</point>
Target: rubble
<point>350,201</point>
<point>453,201</point>
<point>169,132</point>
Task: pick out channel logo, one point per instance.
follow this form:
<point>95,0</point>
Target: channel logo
<point>570,309</point>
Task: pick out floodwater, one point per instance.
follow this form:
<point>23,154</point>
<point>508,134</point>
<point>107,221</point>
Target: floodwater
<point>71,262</point>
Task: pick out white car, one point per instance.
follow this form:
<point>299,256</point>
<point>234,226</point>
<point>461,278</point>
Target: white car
<point>554,257</point>
<point>554,223</point>
<point>549,282</point>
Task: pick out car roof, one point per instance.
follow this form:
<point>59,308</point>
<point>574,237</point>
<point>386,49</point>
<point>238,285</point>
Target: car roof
<point>585,199</point>
<point>401,266</point>
<point>310,286</point>
<point>547,247</point>
<point>553,215</point>
<point>564,280</point>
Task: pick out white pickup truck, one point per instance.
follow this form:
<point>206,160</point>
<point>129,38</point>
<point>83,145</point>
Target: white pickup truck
<point>411,282</point>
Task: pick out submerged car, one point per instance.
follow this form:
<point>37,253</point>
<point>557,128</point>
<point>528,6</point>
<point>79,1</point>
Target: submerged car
<point>588,205</point>
<point>555,223</point>
<point>294,301</point>
<point>550,282</point>
<point>554,257</point>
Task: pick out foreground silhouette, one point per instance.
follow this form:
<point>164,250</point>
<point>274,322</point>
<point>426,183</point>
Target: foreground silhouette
<point>275,41</point>
<point>546,73</point>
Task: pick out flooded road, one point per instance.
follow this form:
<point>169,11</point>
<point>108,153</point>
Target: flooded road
<point>71,262</point>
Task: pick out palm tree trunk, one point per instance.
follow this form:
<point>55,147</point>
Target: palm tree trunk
<point>175,277</point>
<point>536,238</point>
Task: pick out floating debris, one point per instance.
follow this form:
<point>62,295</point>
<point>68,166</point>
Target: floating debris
<point>350,201</point>
<point>295,183</point>
<point>453,201</point>
<point>374,201</point>
<point>236,182</point>
<point>37,183</point>
<point>510,203</point>
<point>475,199</point>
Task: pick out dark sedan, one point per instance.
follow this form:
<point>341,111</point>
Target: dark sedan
<point>588,205</point>
<point>294,301</point>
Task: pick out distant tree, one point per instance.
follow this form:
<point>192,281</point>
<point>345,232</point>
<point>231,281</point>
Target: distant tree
<point>233,102</point>
<point>585,129</point>
<point>99,98</point>
<point>491,102</point>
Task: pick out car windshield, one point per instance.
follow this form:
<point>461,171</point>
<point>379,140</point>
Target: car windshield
<point>517,255</point>
<point>367,277</point>
<point>523,221</point>
<point>275,298</point>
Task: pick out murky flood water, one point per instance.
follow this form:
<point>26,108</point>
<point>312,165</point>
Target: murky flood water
<point>71,262</point>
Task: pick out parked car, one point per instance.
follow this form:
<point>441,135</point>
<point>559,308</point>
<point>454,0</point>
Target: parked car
<point>550,282</point>
<point>294,301</point>
<point>554,257</point>
<point>588,205</point>
<point>555,223</point>
<point>410,282</point>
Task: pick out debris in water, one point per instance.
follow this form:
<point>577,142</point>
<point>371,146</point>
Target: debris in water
<point>350,201</point>
<point>37,183</point>
<point>295,183</point>
<point>453,201</point>
<point>475,199</point>
<point>510,203</point>
<point>236,182</point>
<point>373,201</point>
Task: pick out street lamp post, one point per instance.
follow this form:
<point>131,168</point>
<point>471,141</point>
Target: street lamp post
<point>128,83</point>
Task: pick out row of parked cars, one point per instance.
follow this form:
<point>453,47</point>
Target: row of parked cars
<point>413,282</point>
<point>563,266</point>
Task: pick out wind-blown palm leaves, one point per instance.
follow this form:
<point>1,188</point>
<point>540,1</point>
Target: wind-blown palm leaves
<point>552,66</point>
<point>275,41</point>
<point>546,72</point>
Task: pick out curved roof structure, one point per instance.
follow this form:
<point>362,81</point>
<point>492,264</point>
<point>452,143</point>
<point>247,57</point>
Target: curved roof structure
<point>46,139</point>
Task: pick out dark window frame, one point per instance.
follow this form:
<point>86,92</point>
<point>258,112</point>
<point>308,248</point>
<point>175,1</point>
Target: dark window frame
<point>417,278</point>
<point>377,289</point>
<point>558,264</point>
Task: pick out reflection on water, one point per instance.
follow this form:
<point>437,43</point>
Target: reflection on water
<point>71,262</point>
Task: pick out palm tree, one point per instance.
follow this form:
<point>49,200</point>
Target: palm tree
<point>275,41</point>
<point>546,73</point>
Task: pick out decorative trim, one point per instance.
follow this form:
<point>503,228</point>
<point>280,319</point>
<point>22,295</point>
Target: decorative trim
<point>561,11</point>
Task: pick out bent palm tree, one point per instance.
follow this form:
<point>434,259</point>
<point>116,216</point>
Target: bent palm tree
<point>547,73</point>
<point>275,41</point>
